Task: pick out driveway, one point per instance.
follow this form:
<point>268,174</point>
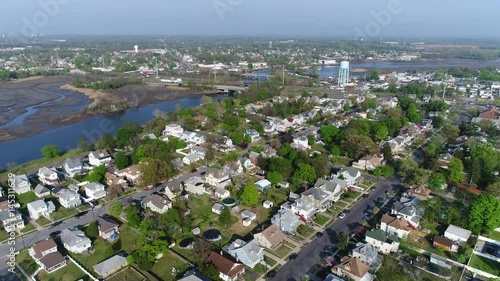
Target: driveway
<point>309,256</point>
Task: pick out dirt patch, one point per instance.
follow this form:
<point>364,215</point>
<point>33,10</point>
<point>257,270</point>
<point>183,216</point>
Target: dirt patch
<point>94,95</point>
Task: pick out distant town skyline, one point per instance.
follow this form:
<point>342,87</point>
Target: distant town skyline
<point>315,18</point>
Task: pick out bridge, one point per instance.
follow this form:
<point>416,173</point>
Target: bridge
<point>227,88</point>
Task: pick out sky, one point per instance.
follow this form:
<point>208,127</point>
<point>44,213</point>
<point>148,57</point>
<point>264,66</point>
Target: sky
<point>315,18</point>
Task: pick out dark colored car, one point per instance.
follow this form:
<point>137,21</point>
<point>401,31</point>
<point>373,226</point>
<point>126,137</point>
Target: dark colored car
<point>55,233</point>
<point>202,173</point>
<point>271,274</point>
<point>194,170</point>
<point>365,195</point>
<point>293,256</point>
<point>373,189</point>
<point>319,234</point>
<point>80,214</point>
<point>56,223</point>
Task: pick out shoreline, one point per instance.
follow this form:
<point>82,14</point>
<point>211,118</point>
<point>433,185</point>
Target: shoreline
<point>94,95</point>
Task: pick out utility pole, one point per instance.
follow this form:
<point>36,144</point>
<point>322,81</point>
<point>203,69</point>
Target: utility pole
<point>156,66</point>
<point>283,75</point>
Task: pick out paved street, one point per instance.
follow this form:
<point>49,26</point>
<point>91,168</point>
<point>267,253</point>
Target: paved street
<point>310,254</point>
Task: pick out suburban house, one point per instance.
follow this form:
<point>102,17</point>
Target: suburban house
<point>353,268</point>
<point>302,208</point>
<point>46,255</point>
<point>73,166</point>
<point>108,229</point>
<point>157,203</point>
<point>20,184</point>
<point>228,270</point>
<point>173,130</point>
<point>350,175</point>
<point>41,191</point>
<point>177,163</point>
<point>48,176</point>
<point>233,168</point>
<point>95,190</point>
<point>110,266</point>
<point>444,243</point>
<point>369,163</point>
<point>99,157</point>
<point>253,134</point>
<point>132,173</point>
<point>193,275</point>
<point>75,241</point>
<point>39,208</point>
<point>301,143</point>
<point>270,238</point>
<point>12,220</point>
<point>114,180</point>
<point>217,208</point>
<point>192,158</point>
<point>263,185</point>
<point>215,177</point>
<point>199,150</point>
<point>221,193</point>
<point>318,198</point>
<point>249,253</point>
<point>335,187</point>
<point>457,234</point>
<point>419,191</point>
<point>246,214</point>
<point>383,241</point>
<point>192,137</point>
<point>195,185</point>
<point>368,254</point>
<point>394,225</point>
<point>69,199</point>
<point>408,208</point>
<point>286,220</point>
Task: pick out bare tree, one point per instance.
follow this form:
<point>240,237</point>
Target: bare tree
<point>203,249</point>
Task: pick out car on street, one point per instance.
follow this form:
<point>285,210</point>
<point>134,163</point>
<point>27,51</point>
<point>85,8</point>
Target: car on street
<point>365,195</point>
<point>319,234</point>
<point>194,170</point>
<point>203,173</point>
<point>271,274</point>
<point>293,256</point>
<point>56,223</point>
<point>55,233</point>
<point>150,187</point>
<point>373,189</point>
<point>342,216</point>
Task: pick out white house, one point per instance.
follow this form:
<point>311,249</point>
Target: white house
<point>48,176</point>
<point>221,193</point>
<point>263,184</point>
<point>228,269</point>
<point>217,208</point>
<point>394,225</point>
<point>12,220</point>
<point>73,166</point>
<point>157,203</point>
<point>40,208</point>
<point>195,185</point>
<point>192,158</point>
<point>386,243</point>
<point>249,253</point>
<point>199,150</point>
<point>75,241</point>
<point>173,130</point>
<point>215,177</point>
<point>99,157</point>
<point>69,199</point>
<point>369,163</point>
<point>41,191</point>
<point>95,190</point>
<point>457,234</point>
<point>351,175</point>
<point>20,183</point>
<point>301,143</point>
<point>132,173</point>
<point>253,134</point>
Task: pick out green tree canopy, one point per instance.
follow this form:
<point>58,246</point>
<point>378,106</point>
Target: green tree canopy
<point>106,142</point>
<point>274,177</point>
<point>121,160</point>
<point>304,173</point>
<point>483,214</point>
<point>225,218</point>
<point>92,231</point>
<point>456,170</point>
<point>384,171</point>
<point>250,195</point>
<point>50,151</point>
<point>358,146</point>
<point>437,181</point>
<point>328,133</point>
<point>98,174</point>
<point>154,171</point>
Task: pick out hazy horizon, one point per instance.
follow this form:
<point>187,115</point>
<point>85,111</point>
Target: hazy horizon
<point>316,18</point>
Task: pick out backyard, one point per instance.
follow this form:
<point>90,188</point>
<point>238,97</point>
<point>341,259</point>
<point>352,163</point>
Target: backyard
<point>127,274</point>
<point>163,269</point>
<point>70,272</point>
<point>485,264</point>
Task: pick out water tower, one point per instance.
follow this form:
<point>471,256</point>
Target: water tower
<point>136,49</point>
<point>343,73</point>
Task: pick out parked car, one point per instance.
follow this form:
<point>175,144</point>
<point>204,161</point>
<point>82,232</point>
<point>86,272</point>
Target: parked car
<point>150,187</point>
<point>365,195</point>
<point>293,256</point>
<point>271,274</point>
<point>55,233</point>
<point>203,173</point>
<point>81,214</point>
<point>373,189</point>
<point>319,234</point>
<point>194,170</point>
<point>342,216</point>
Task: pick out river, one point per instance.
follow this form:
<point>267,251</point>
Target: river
<point>66,137</point>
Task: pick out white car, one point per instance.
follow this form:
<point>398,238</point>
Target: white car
<point>342,216</point>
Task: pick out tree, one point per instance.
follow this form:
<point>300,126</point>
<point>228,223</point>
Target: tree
<point>456,170</point>
<point>132,215</point>
<point>153,171</point>
<point>451,132</point>
<point>92,230</point>
<point>437,181</point>
<point>250,194</point>
<point>126,133</point>
<point>380,131</point>
<point>237,138</point>
<point>384,171</point>
<point>494,189</point>
<point>106,142</point>
<point>305,173</point>
<point>343,241</point>
<point>274,177</point>
<point>225,218</point>
<point>84,145</point>
<point>210,270</point>
<point>358,146</point>
<point>98,174</point>
<point>206,99</point>
<point>374,75</point>
<point>438,122</point>
<point>115,209</point>
<point>387,152</point>
<point>121,160</point>
<point>368,103</point>
<point>483,214</point>
<point>50,151</point>
<point>412,113</point>
<point>328,133</point>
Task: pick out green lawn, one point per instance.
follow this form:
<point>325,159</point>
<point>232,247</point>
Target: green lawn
<point>26,198</point>
<point>70,272</point>
<point>26,262</point>
<point>42,221</point>
<point>36,164</point>
<point>321,220</point>
<point>163,268</point>
<point>100,251</point>
<point>128,239</point>
<point>495,235</point>
<point>281,252</point>
<point>63,213</point>
<point>127,274</point>
<point>29,227</point>
<point>485,264</point>
<point>304,230</point>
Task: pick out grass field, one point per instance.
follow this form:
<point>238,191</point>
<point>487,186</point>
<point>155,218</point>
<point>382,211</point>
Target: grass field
<point>495,235</point>
<point>281,252</point>
<point>485,264</point>
<point>70,272</point>
<point>305,231</point>
<point>26,262</point>
<point>100,251</point>
<point>321,220</point>
<point>127,274</point>
<point>163,268</point>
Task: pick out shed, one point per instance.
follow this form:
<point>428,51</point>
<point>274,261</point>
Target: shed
<point>267,204</point>
<point>457,234</point>
<point>247,222</point>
